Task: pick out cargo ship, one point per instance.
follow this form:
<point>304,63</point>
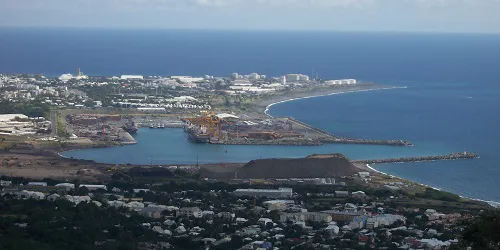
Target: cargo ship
<point>198,135</point>
<point>130,127</point>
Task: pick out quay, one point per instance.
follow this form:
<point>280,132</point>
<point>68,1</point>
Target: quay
<point>453,156</point>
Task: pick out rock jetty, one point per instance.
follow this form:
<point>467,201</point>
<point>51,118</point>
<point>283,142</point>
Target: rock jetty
<point>453,156</point>
<point>401,143</point>
<point>331,138</point>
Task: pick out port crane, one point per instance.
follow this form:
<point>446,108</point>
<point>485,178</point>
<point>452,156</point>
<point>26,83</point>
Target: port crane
<point>208,120</point>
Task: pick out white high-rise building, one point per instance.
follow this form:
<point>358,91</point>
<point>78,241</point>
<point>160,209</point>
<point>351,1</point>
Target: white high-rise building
<point>66,77</point>
<point>234,75</point>
<point>303,78</point>
<point>292,77</point>
<point>254,76</point>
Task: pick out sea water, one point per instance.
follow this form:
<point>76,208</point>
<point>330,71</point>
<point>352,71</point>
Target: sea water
<point>451,102</point>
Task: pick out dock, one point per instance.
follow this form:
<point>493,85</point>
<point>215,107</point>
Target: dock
<point>452,156</point>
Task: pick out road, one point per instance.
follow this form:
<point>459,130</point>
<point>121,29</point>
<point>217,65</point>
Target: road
<point>53,121</point>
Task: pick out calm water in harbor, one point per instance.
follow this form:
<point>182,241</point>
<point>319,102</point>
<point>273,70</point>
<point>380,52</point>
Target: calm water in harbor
<point>451,102</point>
<point>437,118</point>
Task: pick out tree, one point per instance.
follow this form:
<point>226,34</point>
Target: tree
<point>483,232</point>
<point>89,104</point>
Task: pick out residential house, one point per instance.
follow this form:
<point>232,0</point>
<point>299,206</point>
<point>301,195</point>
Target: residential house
<point>190,211</point>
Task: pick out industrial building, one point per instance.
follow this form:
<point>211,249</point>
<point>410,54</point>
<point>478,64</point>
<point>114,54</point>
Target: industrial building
<point>272,193</point>
<point>342,82</point>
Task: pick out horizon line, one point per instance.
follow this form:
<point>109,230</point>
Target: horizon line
<point>211,29</point>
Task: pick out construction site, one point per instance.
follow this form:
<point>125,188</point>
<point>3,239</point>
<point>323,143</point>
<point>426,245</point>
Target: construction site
<point>108,128</point>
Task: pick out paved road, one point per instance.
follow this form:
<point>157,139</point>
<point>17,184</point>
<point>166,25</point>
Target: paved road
<point>53,119</point>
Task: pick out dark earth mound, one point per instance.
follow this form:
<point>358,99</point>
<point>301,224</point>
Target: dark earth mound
<point>313,166</point>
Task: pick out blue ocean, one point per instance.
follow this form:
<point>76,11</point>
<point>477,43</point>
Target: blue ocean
<point>451,101</point>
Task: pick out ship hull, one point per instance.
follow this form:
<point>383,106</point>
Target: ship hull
<point>130,130</point>
<point>198,138</point>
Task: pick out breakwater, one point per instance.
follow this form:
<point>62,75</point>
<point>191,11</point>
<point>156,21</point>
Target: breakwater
<point>453,156</point>
<point>300,142</point>
<point>327,137</point>
<point>318,130</point>
<point>401,143</point>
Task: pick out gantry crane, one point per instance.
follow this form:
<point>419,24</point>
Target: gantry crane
<point>208,120</point>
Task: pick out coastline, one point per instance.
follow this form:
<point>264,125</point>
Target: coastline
<point>268,103</point>
<point>495,204</point>
<point>274,101</point>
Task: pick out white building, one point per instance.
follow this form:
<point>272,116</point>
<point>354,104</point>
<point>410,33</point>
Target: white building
<point>40,184</point>
<point>358,194</point>
<point>292,77</point>
<point>307,216</point>
<point>272,193</point>
<point>93,187</point>
<point>296,78</point>
<point>226,215</point>
<point>332,228</point>
<point>254,76</point>
<point>190,211</point>
<point>342,82</point>
<point>65,77</point>
<point>278,204</point>
<point>187,79</point>
<point>131,77</point>
<point>78,199</point>
<point>67,186</point>
<point>364,174</point>
<point>30,195</point>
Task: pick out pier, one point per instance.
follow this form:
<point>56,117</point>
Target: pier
<point>453,156</point>
<point>400,143</point>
